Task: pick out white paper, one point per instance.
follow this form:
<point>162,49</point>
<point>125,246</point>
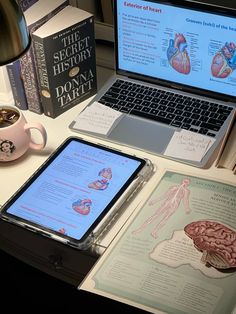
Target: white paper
<point>188,145</point>
<point>97,118</point>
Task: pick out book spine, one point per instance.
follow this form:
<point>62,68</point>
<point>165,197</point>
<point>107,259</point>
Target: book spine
<point>14,70</point>
<point>30,83</point>
<point>17,86</point>
<point>107,11</point>
<point>42,73</point>
<point>25,4</point>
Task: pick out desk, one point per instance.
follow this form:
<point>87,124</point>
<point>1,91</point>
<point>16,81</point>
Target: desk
<point>14,174</point>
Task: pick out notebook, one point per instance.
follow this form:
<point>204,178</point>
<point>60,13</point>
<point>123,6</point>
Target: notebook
<point>175,75</point>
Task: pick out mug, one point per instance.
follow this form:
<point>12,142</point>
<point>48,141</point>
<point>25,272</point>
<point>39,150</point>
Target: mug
<point>15,135</point>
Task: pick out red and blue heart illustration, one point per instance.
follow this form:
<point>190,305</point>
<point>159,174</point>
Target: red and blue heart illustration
<point>224,61</point>
<point>177,54</point>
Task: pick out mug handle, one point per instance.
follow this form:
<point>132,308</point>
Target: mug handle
<point>43,132</point>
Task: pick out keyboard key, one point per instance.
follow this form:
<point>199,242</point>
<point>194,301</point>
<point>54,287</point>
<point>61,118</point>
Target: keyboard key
<point>146,109</point>
<point>203,131</point>
<point>147,116</point>
<point>186,126</point>
<point>110,100</point>
<point>211,134</point>
<point>196,122</point>
<point>162,114</point>
<point>176,123</point>
<point>210,126</point>
<point>129,105</point>
<point>224,111</point>
<point>194,130</point>
<point>124,110</point>
<point>216,122</point>
<point>170,116</point>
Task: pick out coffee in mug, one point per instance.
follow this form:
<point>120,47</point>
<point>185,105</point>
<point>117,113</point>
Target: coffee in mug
<point>15,135</point>
<point>8,117</point>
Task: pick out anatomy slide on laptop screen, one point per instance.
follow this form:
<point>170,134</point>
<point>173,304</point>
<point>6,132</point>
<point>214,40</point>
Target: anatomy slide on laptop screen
<point>177,44</point>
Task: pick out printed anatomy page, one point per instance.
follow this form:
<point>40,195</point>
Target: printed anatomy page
<point>178,254</point>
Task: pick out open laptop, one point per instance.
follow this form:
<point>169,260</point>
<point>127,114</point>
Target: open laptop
<point>175,69</point>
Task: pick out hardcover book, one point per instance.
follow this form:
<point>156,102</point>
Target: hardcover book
<point>66,61</point>
<point>36,16</point>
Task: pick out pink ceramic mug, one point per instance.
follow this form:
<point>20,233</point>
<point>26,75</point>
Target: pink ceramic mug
<point>15,135</point>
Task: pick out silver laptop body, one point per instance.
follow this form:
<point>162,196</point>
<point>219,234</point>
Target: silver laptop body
<point>181,48</point>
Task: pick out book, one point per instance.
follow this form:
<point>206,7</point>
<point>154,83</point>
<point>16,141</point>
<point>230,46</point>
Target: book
<point>25,4</point>
<point>227,153</point>
<point>66,61</point>
<point>14,70</point>
<point>35,16</point>
<point>172,255</point>
<point>91,6</point>
<point>107,11</point>
<point>17,86</point>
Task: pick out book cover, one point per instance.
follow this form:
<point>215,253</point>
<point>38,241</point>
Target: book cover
<point>66,61</point>
<point>36,16</point>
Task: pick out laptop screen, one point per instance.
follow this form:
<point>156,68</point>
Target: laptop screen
<point>180,45</point>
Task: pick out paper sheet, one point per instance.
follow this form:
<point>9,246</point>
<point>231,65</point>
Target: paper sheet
<point>188,145</point>
<point>97,118</point>
<point>154,265</point>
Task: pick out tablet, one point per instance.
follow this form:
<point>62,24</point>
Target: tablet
<point>80,186</point>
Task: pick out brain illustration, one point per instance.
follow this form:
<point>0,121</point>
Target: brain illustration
<point>216,241</point>
<point>177,54</point>
<point>224,62</point>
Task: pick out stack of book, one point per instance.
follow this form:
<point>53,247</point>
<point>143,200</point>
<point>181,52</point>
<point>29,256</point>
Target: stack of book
<point>59,69</point>
<point>227,152</point>
<point>13,70</point>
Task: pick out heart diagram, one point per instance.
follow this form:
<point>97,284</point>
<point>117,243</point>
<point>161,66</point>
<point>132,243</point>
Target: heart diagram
<point>177,54</point>
<point>224,61</point>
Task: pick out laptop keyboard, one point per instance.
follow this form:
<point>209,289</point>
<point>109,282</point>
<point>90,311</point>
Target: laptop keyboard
<point>170,108</point>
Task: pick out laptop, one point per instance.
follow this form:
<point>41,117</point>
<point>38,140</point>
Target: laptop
<point>175,70</point>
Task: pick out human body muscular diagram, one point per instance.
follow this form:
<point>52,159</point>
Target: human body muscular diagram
<point>172,199</point>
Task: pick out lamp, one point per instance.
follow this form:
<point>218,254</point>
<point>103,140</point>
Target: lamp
<point>14,34</point>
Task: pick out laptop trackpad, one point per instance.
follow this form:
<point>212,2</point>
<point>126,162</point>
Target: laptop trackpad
<point>137,133</point>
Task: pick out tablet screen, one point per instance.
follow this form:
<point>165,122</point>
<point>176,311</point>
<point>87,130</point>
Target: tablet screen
<point>75,188</point>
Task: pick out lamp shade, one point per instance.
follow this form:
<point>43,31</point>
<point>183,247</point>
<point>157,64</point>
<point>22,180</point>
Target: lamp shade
<point>14,34</point>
